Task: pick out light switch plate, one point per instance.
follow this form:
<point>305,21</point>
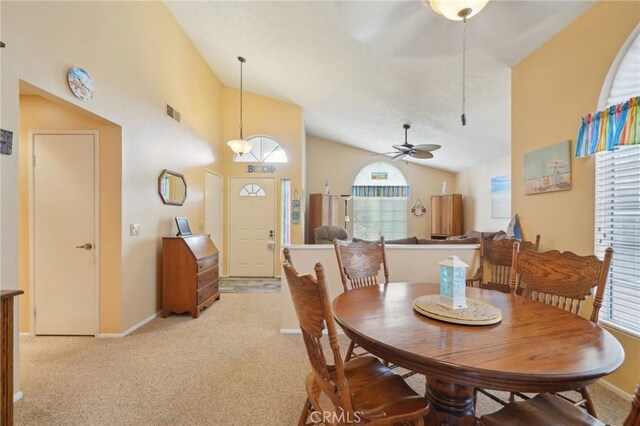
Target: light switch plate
<point>135,229</point>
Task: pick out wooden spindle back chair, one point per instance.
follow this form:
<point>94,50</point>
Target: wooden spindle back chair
<point>380,397</point>
<point>360,263</point>
<point>563,280</point>
<point>496,258</point>
<point>547,409</point>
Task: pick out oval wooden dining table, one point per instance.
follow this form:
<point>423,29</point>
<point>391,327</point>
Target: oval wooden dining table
<point>535,348</point>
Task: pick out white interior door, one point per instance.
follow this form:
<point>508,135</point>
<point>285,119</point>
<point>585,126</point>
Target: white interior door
<point>213,210</point>
<point>64,233</point>
<point>251,227</point>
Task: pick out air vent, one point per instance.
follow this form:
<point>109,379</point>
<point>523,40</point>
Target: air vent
<point>171,112</point>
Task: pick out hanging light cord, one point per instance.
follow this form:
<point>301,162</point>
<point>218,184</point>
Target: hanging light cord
<point>464,67</point>
<point>242,60</point>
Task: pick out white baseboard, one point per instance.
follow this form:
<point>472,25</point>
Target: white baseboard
<point>25,334</point>
<point>17,396</point>
<point>615,389</point>
<point>290,331</point>
<point>130,330</point>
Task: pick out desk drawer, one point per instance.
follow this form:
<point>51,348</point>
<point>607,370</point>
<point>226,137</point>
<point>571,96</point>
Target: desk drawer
<point>208,263</point>
<point>207,277</point>
<point>207,292</point>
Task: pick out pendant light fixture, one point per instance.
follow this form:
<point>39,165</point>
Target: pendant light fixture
<point>460,10</point>
<point>240,146</point>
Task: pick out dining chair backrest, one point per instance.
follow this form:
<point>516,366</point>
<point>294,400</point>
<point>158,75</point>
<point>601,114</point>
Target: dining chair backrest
<point>496,258</point>
<point>287,255</point>
<point>560,279</point>
<point>634,416</point>
<point>311,302</point>
<point>360,262</point>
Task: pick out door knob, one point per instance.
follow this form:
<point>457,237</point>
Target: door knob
<point>87,246</point>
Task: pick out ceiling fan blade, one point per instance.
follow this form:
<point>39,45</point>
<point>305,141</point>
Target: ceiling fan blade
<point>402,147</point>
<point>426,147</point>
<point>421,155</point>
<point>398,156</point>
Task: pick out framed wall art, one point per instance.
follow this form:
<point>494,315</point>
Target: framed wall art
<point>548,169</point>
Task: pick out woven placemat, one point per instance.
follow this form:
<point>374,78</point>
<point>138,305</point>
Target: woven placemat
<point>476,312</point>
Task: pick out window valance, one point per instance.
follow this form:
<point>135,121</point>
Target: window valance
<point>380,191</point>
<point>618,125</point>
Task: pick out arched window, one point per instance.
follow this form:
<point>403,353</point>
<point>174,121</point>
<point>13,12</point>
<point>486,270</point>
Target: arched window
<point>252,190</point>
<point>380,195</point>
<point>617,212</point>
<point>265,150</point>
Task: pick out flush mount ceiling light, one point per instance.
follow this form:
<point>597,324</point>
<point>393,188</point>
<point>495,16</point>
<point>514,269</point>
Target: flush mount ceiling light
<point>459,10</point>
<point>240,146</point>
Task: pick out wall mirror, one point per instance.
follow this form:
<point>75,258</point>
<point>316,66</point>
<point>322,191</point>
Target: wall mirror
<point>172,188</point>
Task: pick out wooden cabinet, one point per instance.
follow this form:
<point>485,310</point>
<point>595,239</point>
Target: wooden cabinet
<point>323,210</point>
<point>190,274</point>
<point>446,216</point>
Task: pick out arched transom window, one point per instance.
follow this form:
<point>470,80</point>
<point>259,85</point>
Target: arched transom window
<point>265,150</point>
<point>380,194</point>
<point>252,190</point>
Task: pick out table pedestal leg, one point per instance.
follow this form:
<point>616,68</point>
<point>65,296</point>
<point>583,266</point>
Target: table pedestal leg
<point>451,404</point>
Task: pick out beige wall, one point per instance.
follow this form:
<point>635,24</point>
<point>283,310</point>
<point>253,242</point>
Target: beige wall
<point>551,89</point>
<point>38,113</point>
<point>475,185</point>
<point>401,260</point>
<point>139,58</point>
<point>339,164</point>
<point>283,122</point>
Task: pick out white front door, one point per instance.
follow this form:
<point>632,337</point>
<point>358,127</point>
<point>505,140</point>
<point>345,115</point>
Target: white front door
<point>213,210</point>
<point>64,233</point>
<point>251,227</point>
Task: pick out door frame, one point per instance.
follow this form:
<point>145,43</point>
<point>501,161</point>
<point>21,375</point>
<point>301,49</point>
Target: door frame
<point>275,219</point>
<point>221,248</point>
<point>32,222</point>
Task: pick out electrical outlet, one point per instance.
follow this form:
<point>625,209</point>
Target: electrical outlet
<point>201,226</point>
<point>135,229</point>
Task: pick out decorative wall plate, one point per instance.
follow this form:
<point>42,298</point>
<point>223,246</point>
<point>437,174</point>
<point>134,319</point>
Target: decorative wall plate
<point>80,83</point>
<point>418,210</point>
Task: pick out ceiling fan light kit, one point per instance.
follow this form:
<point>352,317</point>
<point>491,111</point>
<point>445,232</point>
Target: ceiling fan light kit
<point>240,146</point>
<point>457,10</point>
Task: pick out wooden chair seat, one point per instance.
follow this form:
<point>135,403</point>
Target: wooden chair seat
<point>363,389</point>
<point>377,392</point>
<point>541,410</point>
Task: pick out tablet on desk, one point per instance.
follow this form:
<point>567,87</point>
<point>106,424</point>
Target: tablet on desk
<point>183,226</point>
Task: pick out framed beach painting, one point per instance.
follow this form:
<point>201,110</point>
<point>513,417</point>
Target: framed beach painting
<point>548,169</point>
<point>501,197</point>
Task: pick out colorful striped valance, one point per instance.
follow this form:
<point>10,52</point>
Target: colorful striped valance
<point>379,191</point>
<point>606,130</point>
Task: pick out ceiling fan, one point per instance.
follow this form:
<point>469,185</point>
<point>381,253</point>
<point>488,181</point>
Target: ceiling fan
<point>421,152</point>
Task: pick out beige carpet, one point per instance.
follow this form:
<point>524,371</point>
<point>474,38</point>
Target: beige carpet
<point>229,367</point>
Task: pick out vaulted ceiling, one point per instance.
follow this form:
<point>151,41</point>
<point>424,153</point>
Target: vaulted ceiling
<point>361,69</point>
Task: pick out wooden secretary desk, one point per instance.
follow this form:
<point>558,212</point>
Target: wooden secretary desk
<point>190,274</point>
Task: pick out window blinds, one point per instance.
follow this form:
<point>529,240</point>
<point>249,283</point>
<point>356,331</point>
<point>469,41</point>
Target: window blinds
<point>618,226</point>
<point>376,216</point>
<point>618,208</point>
